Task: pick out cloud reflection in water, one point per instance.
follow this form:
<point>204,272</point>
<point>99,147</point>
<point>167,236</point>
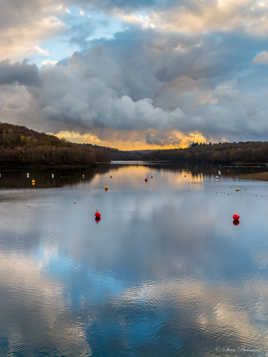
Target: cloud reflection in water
<point>164,273</point>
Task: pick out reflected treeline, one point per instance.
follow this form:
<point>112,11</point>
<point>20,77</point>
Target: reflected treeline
<point>204,169</point>
<point>47,178</point>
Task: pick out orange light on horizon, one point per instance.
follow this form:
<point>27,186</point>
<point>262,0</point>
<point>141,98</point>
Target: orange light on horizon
<point>150,139</point>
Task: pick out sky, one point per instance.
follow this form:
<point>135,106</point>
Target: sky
<point>136,74</point>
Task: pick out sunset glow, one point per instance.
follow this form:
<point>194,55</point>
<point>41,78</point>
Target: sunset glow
<point>135,140</point>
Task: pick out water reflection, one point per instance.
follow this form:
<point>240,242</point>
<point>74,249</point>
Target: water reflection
<point>164,273</point>
<point>11,178</point>
<point>33,312</point>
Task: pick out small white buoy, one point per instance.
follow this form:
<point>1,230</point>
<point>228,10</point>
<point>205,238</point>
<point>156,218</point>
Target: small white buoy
<point>28,175</point>
<point>52,176</point>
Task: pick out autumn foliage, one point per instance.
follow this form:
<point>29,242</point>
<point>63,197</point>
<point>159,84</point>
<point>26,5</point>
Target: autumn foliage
<point>22,146</point>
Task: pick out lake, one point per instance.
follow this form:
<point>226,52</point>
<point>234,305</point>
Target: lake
<point>165,272</point>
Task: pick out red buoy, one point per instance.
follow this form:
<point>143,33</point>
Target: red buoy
<point>236,217</point>
<point>145,180</point>
<point>228,171</point>
<point>97,215</point>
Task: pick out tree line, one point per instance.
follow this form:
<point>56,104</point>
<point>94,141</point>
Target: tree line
<point>241,152</point>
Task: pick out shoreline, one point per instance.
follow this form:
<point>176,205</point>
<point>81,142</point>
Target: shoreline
<point>258,175</point>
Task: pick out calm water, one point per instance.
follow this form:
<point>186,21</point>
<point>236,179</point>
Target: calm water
<point>164,273</point>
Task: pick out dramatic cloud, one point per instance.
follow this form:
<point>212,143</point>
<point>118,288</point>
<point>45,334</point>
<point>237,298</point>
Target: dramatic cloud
<point>143,80</point>
<point>175,68</point>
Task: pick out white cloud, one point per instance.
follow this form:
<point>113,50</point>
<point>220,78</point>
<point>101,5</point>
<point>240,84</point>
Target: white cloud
<point>49,63</point>
<point>194,17</point>
<point>261,58</point>
<point>144,21</point>
<point>215,308</point>
<point>25,24</point>
<point>46,319</point>
<point>41,51</point>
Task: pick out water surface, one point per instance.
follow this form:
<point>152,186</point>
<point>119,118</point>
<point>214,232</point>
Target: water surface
<point>164,273</point>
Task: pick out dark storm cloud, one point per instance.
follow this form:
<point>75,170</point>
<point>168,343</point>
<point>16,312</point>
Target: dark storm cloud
<point>145,79</point>
<point>21,73</point>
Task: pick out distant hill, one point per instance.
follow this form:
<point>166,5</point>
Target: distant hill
<point>22,146</point>
<point>225,153</point>
<point>117,155</point>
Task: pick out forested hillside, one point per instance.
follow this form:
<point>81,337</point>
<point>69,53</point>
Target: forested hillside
<point>242,152</point>
<point>22,146</point>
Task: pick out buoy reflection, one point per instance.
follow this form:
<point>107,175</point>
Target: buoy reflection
<point>97,219</point>
<point>236,222</point>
